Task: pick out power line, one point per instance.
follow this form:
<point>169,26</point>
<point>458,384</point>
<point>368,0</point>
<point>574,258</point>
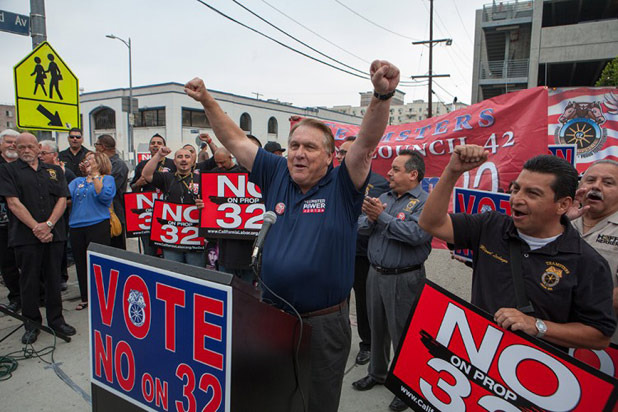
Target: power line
<point>315,33</point>
<point>299,41</point>
<point>278,42</point>
<point>374,23</point>
<point>462,23</point>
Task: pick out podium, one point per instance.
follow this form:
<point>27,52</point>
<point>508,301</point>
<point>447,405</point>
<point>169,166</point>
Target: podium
<point>169,336</point>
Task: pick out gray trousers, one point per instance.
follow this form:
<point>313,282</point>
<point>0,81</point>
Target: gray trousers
<point>389,301</point>
<point>331,338</point>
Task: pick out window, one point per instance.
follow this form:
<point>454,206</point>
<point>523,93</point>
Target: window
<point>150,117</point>
<point>245,122</point>
<point>194,118</point>
<point>105,119</point>
<point>273,127</point>
<point>9,113</point>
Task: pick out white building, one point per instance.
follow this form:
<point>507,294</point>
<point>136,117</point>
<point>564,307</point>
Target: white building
<point>401,112</point>
<point>167,110</point>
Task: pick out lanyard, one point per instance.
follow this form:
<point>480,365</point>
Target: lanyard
<point>188,186</point>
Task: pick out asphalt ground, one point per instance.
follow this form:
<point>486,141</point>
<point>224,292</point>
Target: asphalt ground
<point>59,381</point>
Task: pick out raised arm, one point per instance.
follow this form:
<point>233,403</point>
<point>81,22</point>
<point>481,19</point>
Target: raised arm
<point>385,78</point>
<point>229,134</point>
<point>434,218</point>
<point>151,166</point>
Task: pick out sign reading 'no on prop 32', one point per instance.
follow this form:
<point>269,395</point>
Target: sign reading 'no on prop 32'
<point>46,91</point>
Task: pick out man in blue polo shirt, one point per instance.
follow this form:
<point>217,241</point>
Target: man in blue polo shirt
<point>308,257</point>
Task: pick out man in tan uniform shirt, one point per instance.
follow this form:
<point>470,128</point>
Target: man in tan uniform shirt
<point>598,217</point>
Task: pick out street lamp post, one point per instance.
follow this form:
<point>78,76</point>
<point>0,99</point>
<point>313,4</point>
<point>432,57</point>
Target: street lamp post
<point>130,115</point>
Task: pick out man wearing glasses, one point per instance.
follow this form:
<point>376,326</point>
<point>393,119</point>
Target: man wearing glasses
<point>74,154</point>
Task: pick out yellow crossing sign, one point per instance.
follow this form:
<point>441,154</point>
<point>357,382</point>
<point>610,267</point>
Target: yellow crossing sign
<point>46,91</point>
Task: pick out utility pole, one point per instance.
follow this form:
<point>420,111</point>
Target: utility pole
<point>38,32</point>
<point>37,22</point>
<point>257,95</point>
<point>431,41</point>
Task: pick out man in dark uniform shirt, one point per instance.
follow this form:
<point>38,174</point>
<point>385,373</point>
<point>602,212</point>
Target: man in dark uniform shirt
<point>567,282</point>
<point>139,184</point>
<point>182,187</point>
<point>36,195</point>
<point>8,267</point>
<point>74,154</point>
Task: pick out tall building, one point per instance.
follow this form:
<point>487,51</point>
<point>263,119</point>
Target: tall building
<point>401,112</point>
<point>555,43</point>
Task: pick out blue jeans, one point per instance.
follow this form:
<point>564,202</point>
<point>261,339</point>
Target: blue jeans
<point>192,258</point>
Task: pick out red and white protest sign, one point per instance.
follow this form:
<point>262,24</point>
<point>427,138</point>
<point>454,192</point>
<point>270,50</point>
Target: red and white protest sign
<point>454,357</point>
<point>138,212</point>
<point>176,226</point>
<point>586,117</point>
<point>605,360</point>
<point>143,156</point>
<point>512,127</point>
<point>233,206</point>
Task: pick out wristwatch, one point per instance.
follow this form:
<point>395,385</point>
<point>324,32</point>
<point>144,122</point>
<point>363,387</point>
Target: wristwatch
<point>541,327</point>
<point>49,224</point>
<point>383,96</point>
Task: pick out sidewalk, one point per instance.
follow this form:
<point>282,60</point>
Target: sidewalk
<point>36,386</point>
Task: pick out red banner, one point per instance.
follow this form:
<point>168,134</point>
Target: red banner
<point>511,126</point>
<point>453,356</point>
<point>138,212</point>
<point>176,226</point>
<point>586,117</point>
<point>233,206</point>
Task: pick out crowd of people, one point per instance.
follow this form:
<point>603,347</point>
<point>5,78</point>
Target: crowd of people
<point>560,243</point>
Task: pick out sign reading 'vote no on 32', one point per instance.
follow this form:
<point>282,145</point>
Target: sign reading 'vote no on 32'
<point>46,91</point>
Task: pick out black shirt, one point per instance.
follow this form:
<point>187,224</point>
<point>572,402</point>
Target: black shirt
<point>566,280</point>
<point>72,161</point>
<point>376,186</point>
<point>207,165</point>
<point>176,188</point>
<point>4,217</point>
<point>165,165</point>
<point>38,190</point>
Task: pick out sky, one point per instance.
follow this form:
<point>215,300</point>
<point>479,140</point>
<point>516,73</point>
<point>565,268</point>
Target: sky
<point>174,41</point>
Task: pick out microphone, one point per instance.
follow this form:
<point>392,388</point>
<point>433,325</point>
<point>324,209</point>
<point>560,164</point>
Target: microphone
<point>269,219</point>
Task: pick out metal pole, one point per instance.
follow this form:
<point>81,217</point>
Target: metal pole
<point>37,22</point>
<point>130,104</point>
<point>429,114</point>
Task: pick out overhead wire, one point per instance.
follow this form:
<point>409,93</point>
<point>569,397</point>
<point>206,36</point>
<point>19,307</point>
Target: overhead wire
<point>374,23</point>
<point>316,33</point>
<point>294,38</point>
<point>463,25</point>
<point>279,42</point>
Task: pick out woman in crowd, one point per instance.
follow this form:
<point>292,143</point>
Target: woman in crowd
<point>91,198</point>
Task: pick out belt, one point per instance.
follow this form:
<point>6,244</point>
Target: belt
<point>396,271</point>
<point>325,311</point>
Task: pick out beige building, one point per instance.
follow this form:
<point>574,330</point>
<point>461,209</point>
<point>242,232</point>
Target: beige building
<point>7,117</point>
<point>401,112</point>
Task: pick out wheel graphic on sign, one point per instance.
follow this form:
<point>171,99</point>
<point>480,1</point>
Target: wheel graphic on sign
<point>584,133</point>
<point>136,308</point>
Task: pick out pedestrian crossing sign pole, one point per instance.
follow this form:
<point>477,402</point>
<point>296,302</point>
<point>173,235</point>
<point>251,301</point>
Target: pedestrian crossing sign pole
<point>46,92</point>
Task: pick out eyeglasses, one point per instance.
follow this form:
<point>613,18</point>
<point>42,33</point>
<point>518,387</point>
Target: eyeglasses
<point>75,137</point>
<point>342,152</point>
<point>42,153</point>
<point>98,144</point>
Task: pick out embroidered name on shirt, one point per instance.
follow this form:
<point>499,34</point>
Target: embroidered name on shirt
<point>494,255</point>
<point>314,206</point>
<point>608,240</point>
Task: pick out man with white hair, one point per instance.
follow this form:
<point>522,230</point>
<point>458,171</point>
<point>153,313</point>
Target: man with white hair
<point>36,195</point>
<point>8,267</point>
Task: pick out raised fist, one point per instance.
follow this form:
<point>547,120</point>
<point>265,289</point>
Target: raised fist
<point>384,76</point>
<point>164,151</point>
<point>467,157</point>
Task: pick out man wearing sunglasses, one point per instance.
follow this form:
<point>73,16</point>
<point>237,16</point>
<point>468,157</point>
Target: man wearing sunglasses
<point>74,154</point>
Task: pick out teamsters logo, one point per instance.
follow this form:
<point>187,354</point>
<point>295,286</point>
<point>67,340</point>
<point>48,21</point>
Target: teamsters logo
<point>52,174</point>
<point>136,307</point>
<point>581,125</point>
<point>551,277</point>
<point>280,208</point>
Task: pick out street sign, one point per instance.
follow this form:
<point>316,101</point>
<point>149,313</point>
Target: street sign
<point>14,23</point>
<point>46,91</point>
